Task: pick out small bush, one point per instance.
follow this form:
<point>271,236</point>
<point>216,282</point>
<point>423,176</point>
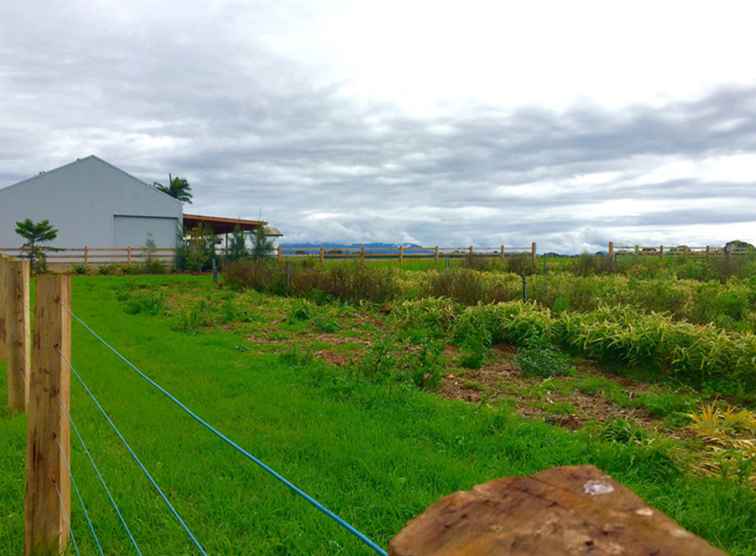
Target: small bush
<point>300,311</point>
<point>191,320</point>
<point>623,432</point>
<point>540,359</point>
<point>297,357</point>
<point>323,323</point>
<point>149,303</point>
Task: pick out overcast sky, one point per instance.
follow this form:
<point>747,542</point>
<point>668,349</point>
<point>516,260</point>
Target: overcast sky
<point>451,123</point>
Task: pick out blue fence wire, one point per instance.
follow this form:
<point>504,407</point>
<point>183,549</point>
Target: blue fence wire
<point>265,467</point>
<point>70,525</point>
<point>73,540</point>
<point>104,484</point>
<point>136,459</point>
<point>81,503</point>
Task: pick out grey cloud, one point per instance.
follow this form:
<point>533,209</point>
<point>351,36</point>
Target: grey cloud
<point>253,131</point>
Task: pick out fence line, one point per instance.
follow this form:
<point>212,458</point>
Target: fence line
<point>130,255</point>
<point>293,487</point>
<point>80,498</point>
<point>104,484</point>
<point>138,461</point>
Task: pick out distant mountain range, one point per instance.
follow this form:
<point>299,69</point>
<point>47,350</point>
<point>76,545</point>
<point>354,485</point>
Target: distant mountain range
<point>336,245</point>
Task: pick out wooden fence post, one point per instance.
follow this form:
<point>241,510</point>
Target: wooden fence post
<point>533,253</point>
<point>86,255</point>
<point>3,304</point>
<point>362,253</point>
<point>18,333</point>
<point>401,254</point>
<point>48,487</point>
<point>470,254</point>
<point>707,250</point>
<point>279,254</point>
<point>661,250</point>
<point>501,251</point>
<point>611,250</point>
<point>435,254</point>
<point>322,255</point>
<point>128,256</point>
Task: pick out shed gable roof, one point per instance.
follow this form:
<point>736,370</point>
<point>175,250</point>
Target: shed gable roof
<point>92,159</point>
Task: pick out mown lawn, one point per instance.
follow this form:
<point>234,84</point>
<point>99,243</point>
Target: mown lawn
<point>376,454</point>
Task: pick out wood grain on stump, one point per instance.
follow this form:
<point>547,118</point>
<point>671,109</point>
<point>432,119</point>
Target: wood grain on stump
<point>560,511</point>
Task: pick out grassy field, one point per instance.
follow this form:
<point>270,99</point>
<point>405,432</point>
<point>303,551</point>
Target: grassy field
<point>278,375</point>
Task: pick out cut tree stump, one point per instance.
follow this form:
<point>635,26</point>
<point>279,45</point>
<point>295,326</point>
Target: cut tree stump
<point>560,511</point>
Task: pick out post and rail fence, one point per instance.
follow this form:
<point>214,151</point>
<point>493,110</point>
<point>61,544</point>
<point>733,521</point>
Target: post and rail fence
<point>97,256</point>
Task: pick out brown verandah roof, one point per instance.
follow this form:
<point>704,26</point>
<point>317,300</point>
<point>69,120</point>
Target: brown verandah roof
<point>222,225</point>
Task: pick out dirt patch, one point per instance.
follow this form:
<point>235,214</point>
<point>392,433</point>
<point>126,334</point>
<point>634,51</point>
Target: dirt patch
<point>500,379</point>
<point>336,340</point>
<point>266,340</point>
<point>335,358</point>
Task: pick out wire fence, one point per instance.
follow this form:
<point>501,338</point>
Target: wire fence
<point>139,462</point>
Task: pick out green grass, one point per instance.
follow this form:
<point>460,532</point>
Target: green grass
<point>376,454</point>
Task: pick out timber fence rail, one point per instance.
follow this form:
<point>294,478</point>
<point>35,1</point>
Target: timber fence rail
<point>96,255</point>
<point>50,478</point>
<point>131,255</point>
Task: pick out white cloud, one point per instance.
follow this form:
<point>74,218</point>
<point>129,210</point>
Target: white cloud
<point>569,123</point>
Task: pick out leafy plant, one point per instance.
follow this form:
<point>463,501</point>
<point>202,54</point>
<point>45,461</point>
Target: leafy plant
<point>192,319</point>
<point>237,247</point>
<point>262,247</point>
<point>35,233</point>
<point>540,359</point>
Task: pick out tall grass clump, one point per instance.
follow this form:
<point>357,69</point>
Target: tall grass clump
<point>352,283</point>
<point>695,354</point>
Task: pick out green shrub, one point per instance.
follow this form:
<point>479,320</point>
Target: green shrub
<point>149,303</point>
<point>326,324</point>
<point>623,432</point>
<point>435,314</point>
<point>352,283</point>
<point>300,311</point>
<point>192,319</point>
<point>297,357</point>
<point>541,359</point>
<point>474,348</point>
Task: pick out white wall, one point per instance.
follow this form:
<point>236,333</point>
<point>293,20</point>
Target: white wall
<point>83,199</point>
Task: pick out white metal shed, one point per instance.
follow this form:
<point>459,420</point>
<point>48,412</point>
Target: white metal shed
<point>92,203</point>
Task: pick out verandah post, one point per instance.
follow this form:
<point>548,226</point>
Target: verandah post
<point>18,332</point>
<point>48,489</point>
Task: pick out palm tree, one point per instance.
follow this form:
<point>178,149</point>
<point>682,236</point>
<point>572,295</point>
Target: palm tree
<point>34,234</point>
<point>178,188</point>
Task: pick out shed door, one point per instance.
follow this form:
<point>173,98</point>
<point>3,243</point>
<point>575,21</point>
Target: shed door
<point>133,231</point>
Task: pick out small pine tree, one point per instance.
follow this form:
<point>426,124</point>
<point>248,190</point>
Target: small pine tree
<point>200,249</point>
<point>34,234</point>
<point>263,247</point>
<point>237,249</point>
